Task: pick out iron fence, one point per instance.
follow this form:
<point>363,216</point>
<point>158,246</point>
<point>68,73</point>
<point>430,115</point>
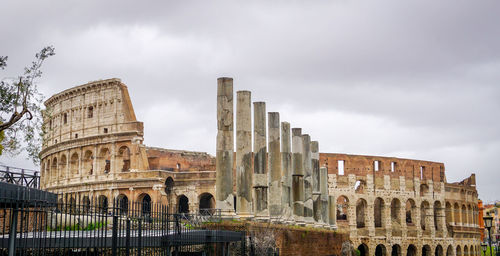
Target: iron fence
<point>20,176</point>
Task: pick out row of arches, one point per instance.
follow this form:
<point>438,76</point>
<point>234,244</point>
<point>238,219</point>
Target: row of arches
<point>206,204</point>
<point>426,250</point>
<point>396,213</point>
<point>462,214</point>
<point>62,168</point>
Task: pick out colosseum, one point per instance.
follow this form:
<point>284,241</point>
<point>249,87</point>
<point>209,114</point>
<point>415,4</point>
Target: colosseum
<point>93,150</point>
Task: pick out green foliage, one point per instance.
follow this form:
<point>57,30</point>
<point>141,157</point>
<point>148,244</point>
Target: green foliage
<point>358,253</point>
<point>76,227</point>
<point>21,114</point>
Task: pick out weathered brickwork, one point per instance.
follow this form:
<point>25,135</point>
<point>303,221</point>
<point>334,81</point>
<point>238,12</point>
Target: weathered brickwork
<point>387,206</point>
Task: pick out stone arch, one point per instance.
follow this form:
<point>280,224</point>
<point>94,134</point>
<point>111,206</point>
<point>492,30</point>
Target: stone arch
<point>464,216</point>
<point>72,205</point>
<point>395,212</point>
<point>88,165</point>
<point>169,185</point>
<point>122,202</point>
<point>438,215</point>
<point>424,189</point>
<point>449,251</point>
<point>426,250</point>
<point>363,250</point>
<point>207,204</point>
<point>62,167</point>
<point>456,210</point>
<point>471,250</point>
<point>411,250</point>
<point>410,212</point>
<point>466,250</point>
<point>73,164</point>
<point>105,160</point>
<point>469,214</point>
<point>438,251</point>
<point>424,208</point>
<point>144,200</point>
<point>53,168</point>
<point>103,204</point>
<point>360,186</point>
<point>123,160</point>
<point>182,204</point>
<point>380,250</point>
<point>361,207</point>
<point>342,208</point>
<point>459,251</point>
<point>449,214</point>
<point>396,250</point>
<point>86,204</point>
<point>378,212</point>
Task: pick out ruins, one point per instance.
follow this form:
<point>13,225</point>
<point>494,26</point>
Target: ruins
<point>388,206</point>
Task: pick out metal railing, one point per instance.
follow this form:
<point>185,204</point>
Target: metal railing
<point>20,176</point>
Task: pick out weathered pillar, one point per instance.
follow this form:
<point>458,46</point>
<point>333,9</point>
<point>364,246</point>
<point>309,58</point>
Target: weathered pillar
<point>224,154</point>
<point>260,162</point>
<point>244,172</point>
<point>316,194</point>
<point>286,174</point>
<point>274,157</point>
<point>307,163</point>
<point>332,212</point>
<point>325,210</point>
<point>298,175</point>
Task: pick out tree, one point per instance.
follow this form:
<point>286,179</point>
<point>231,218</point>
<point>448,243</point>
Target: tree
<point>21,114</point>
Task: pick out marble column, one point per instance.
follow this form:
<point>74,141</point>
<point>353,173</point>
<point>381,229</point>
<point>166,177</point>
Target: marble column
<point>325,210</point>
<point>224,150</point>
<point>244,172</point>
<point>316,194</point>
<point>307,163</point>
<point>274,157</point>
<point>332,212</point>
<point>286,174</point>
<point>297,175</point>
<point>260,183</point>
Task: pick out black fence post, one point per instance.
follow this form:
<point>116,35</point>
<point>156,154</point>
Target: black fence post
<point>13,231</point>
<point>127,238</point>
<point>114,238</point>
<point>139,236</point>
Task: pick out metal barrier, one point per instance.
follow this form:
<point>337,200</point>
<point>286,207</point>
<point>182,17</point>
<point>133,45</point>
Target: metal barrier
<point>19,176</point>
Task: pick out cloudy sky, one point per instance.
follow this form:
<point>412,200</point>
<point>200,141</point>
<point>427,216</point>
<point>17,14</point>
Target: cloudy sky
<point>412,79</point>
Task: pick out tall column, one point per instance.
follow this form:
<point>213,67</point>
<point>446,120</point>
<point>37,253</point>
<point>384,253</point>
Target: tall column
<point>274,157</point>
<point>325,210</point>
<point>260,162</point>
<point>244,172</point>
<point>332,212</point>
<point>298,175</point>
<point>286,174</point>
<point>225,144</point>
<point>307,163</point>
<point>316,193</point>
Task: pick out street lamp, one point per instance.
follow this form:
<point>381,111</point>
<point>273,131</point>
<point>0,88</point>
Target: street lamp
<point>484,246</point>
<point>487,224</point>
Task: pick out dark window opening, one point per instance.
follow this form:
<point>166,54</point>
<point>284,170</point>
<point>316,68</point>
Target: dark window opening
<point>76,135</point>
<point>105,130</point>
<point>90,112</point>
<point>65,118</point>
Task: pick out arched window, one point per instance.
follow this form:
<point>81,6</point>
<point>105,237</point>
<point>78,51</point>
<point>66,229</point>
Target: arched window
<point>74,164</point>
<point>124,158</point>
<point>53,172</point>
<point>88,166</point>
<point>62,167</point>
<point>342,208</point>
<point>424,209</point>
<point>90,112</point>
<point>363,250</point>
<point>438,215</point>
<point>86,204</point>
<point>380,250</point>
<point>464,217</point>
<point>410,212</point>
<point>103,204</point>
<point>438,251</point>
<point>122,201</point>
<point>105,158</point>
<point>426,250</point>
<point>145,200</point>
<point>182,204</point>
<point>378,210</point>
<point>395,212</point>
<point>361,213</point>
<point>456,211</point>
<point>396,250</point>
<point>412,250</point>
<point>207,204</point>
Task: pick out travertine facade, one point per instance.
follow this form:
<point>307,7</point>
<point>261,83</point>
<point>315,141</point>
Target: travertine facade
<point>388,206</point>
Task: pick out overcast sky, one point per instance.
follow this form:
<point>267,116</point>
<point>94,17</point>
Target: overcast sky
<point>412,79</point>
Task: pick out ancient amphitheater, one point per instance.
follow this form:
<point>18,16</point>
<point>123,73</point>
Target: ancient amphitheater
<point>389,206</point>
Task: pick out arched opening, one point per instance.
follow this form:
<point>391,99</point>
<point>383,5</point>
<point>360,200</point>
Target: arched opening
<point>471,250</point>
<point>449,216</point>
<point>87,162</point>
<point>363,250</point>
<point>342,208</point>
<point>124,158</point>
<point>464,217</point>
<point>182,204</point>
<point>105,160</point>
<point>449,251</point>
<point>438,214</point>
<point>395,212</point>
<point>466,250</point>
<point>72,205</point>
<point>380,250</point>
<point>456,210</point>
<point>410,212</point>
<point>469,215</point>
<point>169,185</point>
<point>424,188</point>
<point>122,201</point>
<point>103,204</point>
<point>438,251</point>
<point>53,172</point>
<point>86,204</point>
<point>361,213</point>
<point>411,251</point>
<point>73,162</point>
<point>378,209</point>
<point>426,250</point>
<point>396,250</point>
<point>424,208</point>
<point>207,204</point>
<point>359,186</point>
<point>459,251</point>
<point>145,201</point>
<point>62,168</point>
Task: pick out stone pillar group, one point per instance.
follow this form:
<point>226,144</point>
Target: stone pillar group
<point>280,179</point>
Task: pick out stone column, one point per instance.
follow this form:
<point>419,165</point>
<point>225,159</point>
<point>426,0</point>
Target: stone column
<point>316,193</point>
<point>260,162</point>
<point>225,144</point>
<point>286,174</point>
<point>274,157</point>
<point>244,172</point>
<point>297,175</point>
<point>332,212</point>
<point>325,210</point>
<point>307,163</point>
